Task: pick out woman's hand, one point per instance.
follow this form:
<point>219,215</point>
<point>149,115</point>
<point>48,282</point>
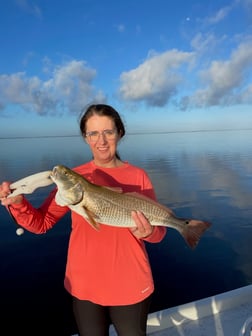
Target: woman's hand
<point>143,227</point>
<point>5,191</point>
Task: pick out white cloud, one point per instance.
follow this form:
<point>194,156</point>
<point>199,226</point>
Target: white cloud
<point>68,90</point>
<point>154,81</point>
<point>203,42</point>
<point>225,81</point>
<point>220,15</point>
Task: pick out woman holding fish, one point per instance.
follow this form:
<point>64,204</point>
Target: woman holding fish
<point>108,272</point>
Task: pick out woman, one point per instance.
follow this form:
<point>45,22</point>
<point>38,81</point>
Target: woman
<point>107,272</point>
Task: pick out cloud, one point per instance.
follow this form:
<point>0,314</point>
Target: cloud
<point>68,90</point>
<point>205,42</point>
<point>223,12</point>
<point>121,28</point>
<point>30,8</point>
<point>247,5</point>
<point>220,15</point>
<point>154,81</point>
<point>225,81</point>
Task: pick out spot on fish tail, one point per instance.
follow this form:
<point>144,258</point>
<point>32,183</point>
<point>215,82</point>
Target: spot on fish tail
<point>193,231</point>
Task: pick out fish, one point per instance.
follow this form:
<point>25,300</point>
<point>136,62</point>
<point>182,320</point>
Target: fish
<point>110,206</point>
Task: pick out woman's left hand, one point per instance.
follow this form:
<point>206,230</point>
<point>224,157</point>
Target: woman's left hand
<point>143,227</point>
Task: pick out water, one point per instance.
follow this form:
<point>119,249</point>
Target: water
<point>205,175</point>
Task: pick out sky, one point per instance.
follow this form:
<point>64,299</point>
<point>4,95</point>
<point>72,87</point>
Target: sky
<point>164,65</point>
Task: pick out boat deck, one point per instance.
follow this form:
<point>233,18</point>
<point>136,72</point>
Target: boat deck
<point>221,315</point>
<point>226,314</point>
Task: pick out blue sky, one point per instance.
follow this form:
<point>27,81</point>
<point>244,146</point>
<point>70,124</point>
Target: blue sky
<point>165,65</point>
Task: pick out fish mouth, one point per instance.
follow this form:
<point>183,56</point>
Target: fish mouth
<point>53,174</point>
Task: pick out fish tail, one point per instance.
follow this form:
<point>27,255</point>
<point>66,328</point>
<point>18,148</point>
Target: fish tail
<point>193,230</point>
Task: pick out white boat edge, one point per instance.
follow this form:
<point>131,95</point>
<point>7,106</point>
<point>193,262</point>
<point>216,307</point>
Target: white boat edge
<point>215,310</point>
<point>228,313</point>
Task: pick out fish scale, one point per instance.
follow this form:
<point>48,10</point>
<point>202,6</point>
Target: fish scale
<point>109,208</point>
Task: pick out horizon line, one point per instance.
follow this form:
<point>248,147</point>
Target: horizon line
<point>130,133</point>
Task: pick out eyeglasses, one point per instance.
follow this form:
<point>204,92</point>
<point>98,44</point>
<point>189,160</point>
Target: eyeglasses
<point>107,133</point>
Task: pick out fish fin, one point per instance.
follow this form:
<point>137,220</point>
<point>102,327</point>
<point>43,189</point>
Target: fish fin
<point>193,231</point>
<point>91,219</point>
<point>86,214</point>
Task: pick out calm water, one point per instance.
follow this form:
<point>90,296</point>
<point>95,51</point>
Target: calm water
<point>205,175</point>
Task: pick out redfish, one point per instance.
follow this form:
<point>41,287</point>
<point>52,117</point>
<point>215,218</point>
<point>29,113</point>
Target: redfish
<point>109,206</point>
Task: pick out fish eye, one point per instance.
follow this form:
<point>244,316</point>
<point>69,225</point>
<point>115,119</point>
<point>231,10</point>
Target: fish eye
<point>64,171</point>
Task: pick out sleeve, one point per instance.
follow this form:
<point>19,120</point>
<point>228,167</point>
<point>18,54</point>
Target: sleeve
<point>157,235</point>
<point>158,232</point>
<point>38,220</point>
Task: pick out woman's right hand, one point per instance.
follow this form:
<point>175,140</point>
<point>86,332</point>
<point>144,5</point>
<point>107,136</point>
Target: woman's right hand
<point>5,191</point>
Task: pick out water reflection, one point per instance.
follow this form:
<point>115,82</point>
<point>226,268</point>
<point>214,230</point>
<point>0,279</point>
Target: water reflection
<point>205,175</point>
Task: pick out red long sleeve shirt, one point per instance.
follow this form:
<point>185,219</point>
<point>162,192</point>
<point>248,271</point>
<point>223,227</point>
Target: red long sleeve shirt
<point>109,266</point>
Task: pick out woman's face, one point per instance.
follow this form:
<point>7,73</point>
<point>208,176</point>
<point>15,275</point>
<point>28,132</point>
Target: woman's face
<point>102,137</point>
